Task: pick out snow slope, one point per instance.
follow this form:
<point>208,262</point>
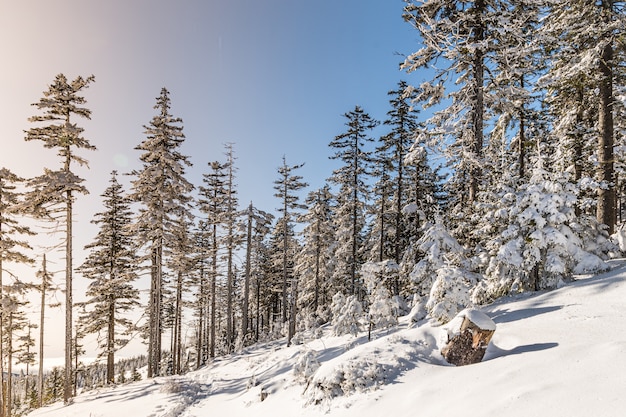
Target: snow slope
<point>560,353</point>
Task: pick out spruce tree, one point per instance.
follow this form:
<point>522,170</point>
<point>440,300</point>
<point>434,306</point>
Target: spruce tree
<point>232,241</point>
<point>213,203</point>
<point>60,105</point>
<point>111,265</point>
<point>315,260</point>
<point>159,186</point>
<point>584,38</point>
<point>352,197</point>
<point>257,224</point>
<point>11,247</point>
<point>287,185</point>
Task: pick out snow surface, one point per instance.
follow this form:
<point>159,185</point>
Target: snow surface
<point>558,353</point>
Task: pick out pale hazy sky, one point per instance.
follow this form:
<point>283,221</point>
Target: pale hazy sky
<point>272,76</point>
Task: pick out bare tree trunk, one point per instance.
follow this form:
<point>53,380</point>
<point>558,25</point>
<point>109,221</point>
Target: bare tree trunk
<point>478,68</point>
<point>44,284</point>
<point>68,383</point>
<point>606,196</point>
<point>213,291</point>
<point>1,340</point>
<point>9,395</point>
<point>246,284</point>
<point>111,342</point>
<point>176,352</point>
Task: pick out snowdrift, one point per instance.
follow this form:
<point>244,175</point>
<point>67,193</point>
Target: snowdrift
<point>559,353</point>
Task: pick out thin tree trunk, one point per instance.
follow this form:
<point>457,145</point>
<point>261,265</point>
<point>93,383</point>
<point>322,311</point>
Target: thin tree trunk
<point>9,395</point>
<point>176,352</point>
<point>111,342</point>
<point>246,284</point>
<point>213,290</point>
<point>44,284</point>
<point>1,338</point>
<point>68,383</point>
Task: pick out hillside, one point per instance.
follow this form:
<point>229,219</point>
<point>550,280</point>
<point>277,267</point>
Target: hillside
<point>560,353</point>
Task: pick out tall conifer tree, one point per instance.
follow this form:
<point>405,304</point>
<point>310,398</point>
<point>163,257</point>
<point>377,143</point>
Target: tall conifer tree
<point>60,105</point>
<point>160,186</point>
<point>354,193</point>
<point>112,266</point>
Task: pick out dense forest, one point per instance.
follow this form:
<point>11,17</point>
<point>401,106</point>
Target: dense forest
<point>527,106</point>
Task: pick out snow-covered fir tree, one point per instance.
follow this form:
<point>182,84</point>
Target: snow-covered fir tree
<point>212,203</point>
<point>539,248</point>
<point>315,260</point>
<point>347,313</point>
<point>258,224</point>
<point>287,186</point>
<point>181,262</point>
<point>159,186</point>
<point>352,198</point>
<point>232,239</point>
<point>382,310</point>
<point>112,266</point>
<point>582,81</point>
<point>13,247</point>
<point>57,129</point>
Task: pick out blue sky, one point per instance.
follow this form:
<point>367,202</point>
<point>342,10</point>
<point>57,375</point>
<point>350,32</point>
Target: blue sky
<point>273,77</point>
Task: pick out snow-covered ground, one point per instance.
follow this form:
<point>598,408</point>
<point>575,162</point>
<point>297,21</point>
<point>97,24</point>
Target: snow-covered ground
<point>560,353</point>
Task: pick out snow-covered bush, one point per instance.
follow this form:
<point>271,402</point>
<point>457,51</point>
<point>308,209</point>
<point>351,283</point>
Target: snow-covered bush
<point>439,248</point>
<point>346,379</point>
<point>450,293</point>
<point>382,311</point>
<point>306,366</point>
<point>347,314</point>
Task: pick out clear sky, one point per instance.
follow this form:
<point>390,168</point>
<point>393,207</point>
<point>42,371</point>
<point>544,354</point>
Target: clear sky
<point>271,76</point>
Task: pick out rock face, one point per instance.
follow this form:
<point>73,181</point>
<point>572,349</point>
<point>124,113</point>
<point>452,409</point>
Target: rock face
<point>469,334</point>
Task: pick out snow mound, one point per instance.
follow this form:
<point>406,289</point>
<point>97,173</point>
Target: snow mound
<point>559,354</point>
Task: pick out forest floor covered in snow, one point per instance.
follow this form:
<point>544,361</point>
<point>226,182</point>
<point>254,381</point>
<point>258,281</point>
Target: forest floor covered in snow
<point>558,353</point>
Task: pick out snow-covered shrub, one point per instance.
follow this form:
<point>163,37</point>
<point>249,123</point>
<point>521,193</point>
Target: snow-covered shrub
<point>450,293</point>
<point>346,379</point>
<point>306,366</point>
<point>439,248</point>
<point>381,311</point>
<point>347,313</point>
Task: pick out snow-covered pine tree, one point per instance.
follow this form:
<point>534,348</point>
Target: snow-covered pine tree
<point>261,269</point>
<point>112,266</point>
<point>12,248</point>
<point>584,40</point>
<point>14,323</point>
<point>352,197</point>
<point>60,104</point>
<point>381,310</point>
<point>539,248</point>
<point>181,262</point>
<point>287,186</point>
<point>458,46</point>
<point>257,225</point>
<point>392,153</point>
<point>315,261</point>
<point>424,204</point>
<point>202,243</point>
<point>213,203</point>
<point>44,287</point>
<point>441,279</point>
<point>158,186</point>
<point>232,240</point>
<point>347,313</point>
